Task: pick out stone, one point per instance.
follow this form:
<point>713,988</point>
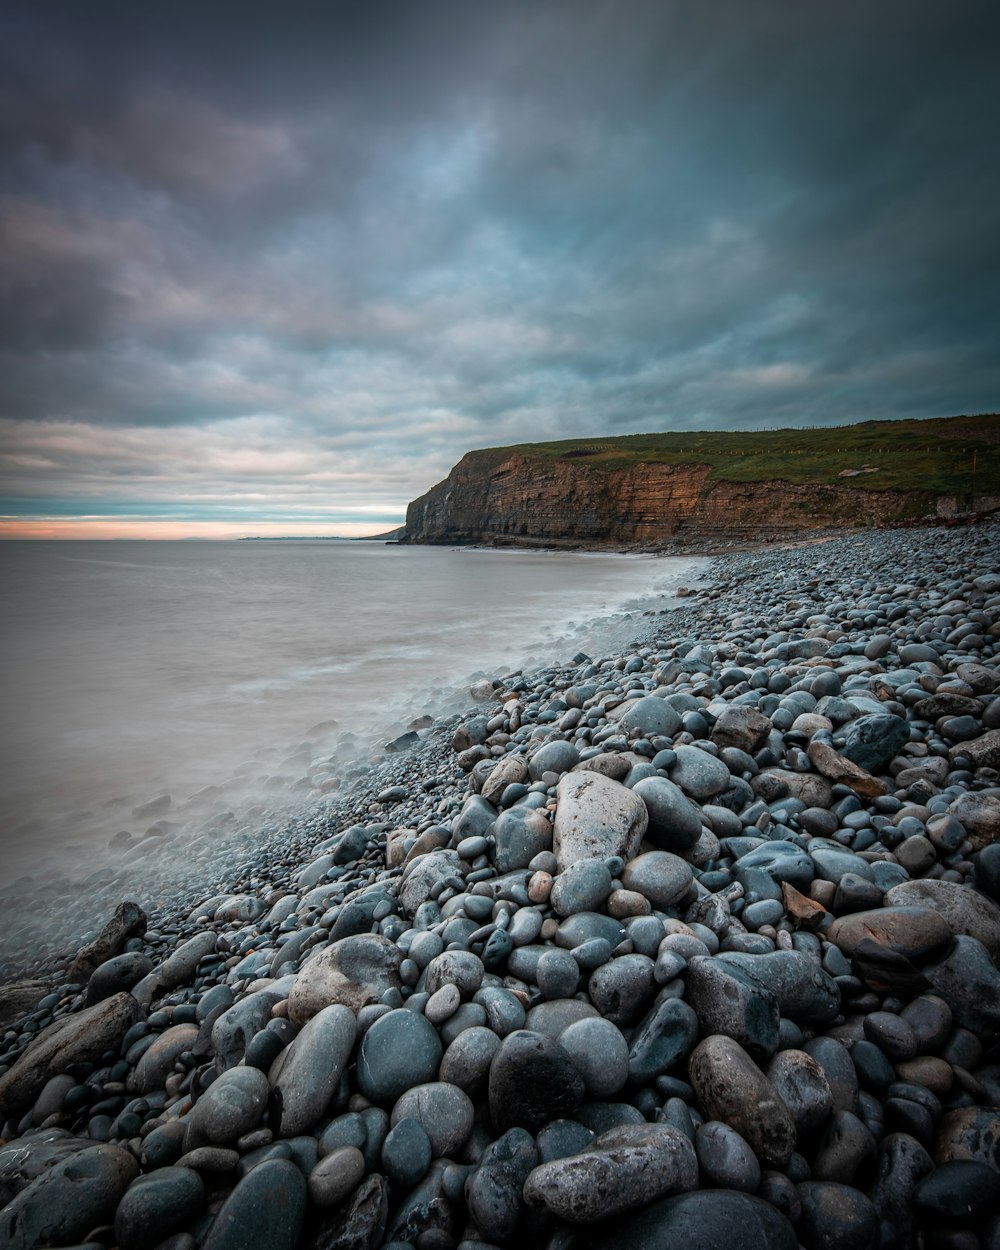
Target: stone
<point>128,921</point>
<point>443,1111</point>
<point>65,1202</point>
<point>674,823</point>
<point>599,1053</point>
<point>494,1191</point>
<point>520,833</point>
<point>177,969</point>
<point>357,1224</point>
<point>659,876</point>
<point>782,861</point>
<point>836,1217</point>
<point>699,774</point>
<point>803,1087</point>
<point>725,1159</point>
<point>353,972</point>
<point>158,1205</point>
<point>158,1061</point>
<point>847,1151</point>
<point>231,1106</point>
<point>982,752</point>
<point>596,817</point>
<point>728,1001</point>
<point>965,910</point>
<point>663,1038</point>
<point>336,1176</point>
<point>234,1029</point>
<point>744,728</point>
<point>532,1081</point>
<point>116,975</point>
<point>462,969</point>
<point>979,814</point>
<point>467,1060</point>
<point>968,981</point>
<point>424,876</point>
<point>266,1210</point>
<point>730,1087</point>
<point>872,742</point>
<point>703,1220</point>
<point>400,1050</point>
<point>583,886</point>
<point>511,770</point>
<point>648,717</point>
<point>962,1191</point>
<point>621,1170</point>
<point>307,1072</point>
<point>915,932</point>
<point>804,992</point>
<point>842,771</point>
<point>620,989</point>
<point>902,1164</point>
<point>79,1038</point>
<point>969,1133</point>
<point>553,757</point>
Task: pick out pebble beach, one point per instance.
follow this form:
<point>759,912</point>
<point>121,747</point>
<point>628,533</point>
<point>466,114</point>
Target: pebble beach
<point>696,943</point>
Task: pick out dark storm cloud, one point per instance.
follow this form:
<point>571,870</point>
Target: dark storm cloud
<point>320,253</point>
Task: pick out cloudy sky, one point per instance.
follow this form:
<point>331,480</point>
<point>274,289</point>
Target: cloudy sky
<point>276,274</point>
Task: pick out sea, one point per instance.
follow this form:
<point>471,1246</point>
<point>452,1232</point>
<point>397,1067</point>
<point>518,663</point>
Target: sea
<point>149,685</point>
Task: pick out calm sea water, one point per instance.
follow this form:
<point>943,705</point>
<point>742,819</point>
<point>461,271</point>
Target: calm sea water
<point>137,670</point>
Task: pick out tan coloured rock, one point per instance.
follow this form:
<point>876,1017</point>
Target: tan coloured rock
<point>355,971</point>
<point>841,771</point>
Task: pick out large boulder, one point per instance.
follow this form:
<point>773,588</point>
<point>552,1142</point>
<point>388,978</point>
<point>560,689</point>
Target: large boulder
<point>355,971</point>
<point>596,817</point>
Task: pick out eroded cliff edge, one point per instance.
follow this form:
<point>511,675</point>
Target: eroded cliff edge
<point>519,499</point>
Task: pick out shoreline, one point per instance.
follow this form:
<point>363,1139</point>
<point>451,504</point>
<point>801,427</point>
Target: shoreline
<point>811,644</point>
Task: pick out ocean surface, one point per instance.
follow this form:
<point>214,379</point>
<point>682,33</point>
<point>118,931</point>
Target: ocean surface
<point>149,684</point>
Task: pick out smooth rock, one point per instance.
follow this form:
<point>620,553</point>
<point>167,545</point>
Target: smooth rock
<point>660,876</point>
<point>965,910</point>
<point>265,1210</point>
<point>599,1053</point>
<point>400,1050</point>
<point>444,1111</point>
<point>532,1081</point>
<point>674,823</point>
<point>596,817</point>
<point>730,1087</point>
<point>704,1220</point>
<point>310,1069</point>
<point>231,1106</point>
<point>353,972</point>
<point>621,1170</point>
<point>156,1206</point>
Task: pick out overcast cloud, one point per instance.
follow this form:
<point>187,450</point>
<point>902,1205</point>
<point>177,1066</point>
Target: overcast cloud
<point>283,271</point>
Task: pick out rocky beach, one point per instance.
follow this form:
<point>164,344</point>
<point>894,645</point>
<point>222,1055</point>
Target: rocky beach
<point>696,943</point>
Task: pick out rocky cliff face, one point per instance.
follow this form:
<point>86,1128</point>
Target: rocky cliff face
<point>524,500</point>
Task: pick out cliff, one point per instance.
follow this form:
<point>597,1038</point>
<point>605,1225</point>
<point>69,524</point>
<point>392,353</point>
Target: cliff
<point>612,493</point>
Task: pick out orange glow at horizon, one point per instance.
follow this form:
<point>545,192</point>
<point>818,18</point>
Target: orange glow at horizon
<point>117,528</point>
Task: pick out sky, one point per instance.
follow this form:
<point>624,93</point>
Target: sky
<point>275,269</point>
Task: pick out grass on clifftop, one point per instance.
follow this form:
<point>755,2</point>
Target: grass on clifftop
<point>946,456</point>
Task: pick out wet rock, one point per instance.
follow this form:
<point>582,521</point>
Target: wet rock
<point>266,1210</point>
<point>730,1087</point>
<point>596,817</point>
<point>65,1202</point>
<point>599,1053</point>
<point>176,969</point>
<point>665,1036</point>
<point>157,1206</point>
<point>532,1081</point>
<point>621,1170</point>
<point>309,1070</point>
<point>357,1224</point>
<point>744,728</point>
<point>964,909</point>
<point>128,921</point>
<point>703,1220</point>
<point>520,835</point>
<point>872,742</point>
<point>494,1192</point>
<point>400,1050</point>
<point>804,992</point>
<point>352,972</point>
<point>727,1000</point>
<point>79,1038</point>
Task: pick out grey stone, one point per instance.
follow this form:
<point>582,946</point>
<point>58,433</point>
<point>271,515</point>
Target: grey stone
<point>65,1202</point>
<point>804,992</point>
<point>521,833</point>
<point>622,1170</point>
<point>583,886</point>
<point>336,1176</point>
<point>177,969</point>
<point>596,817</point>
<point>730,1087</point>
<point>307,1072</point>
<point>698,773</point>
<point>116,975</point>
<point>157,1206</point>
<point>704,1220</point>
<point>727,1000</point>
<point>665,1036</point>
<point>444,1111</point>
<point>235,1027</point>
<point>599,1053</point>
<point>158,1061</point>
<point>532,1081</point>
<point>400,1050</point>
<point>836,1216</point>
<point>872,742</point>
<point>353,972</point>
<point>725,1159</point>
<point>231,1106</point>
<point>553,757</point>
<point>265,1210</point>
<point>659,876</point>
<point>802,1085</point>
<point>674,823</point>
<point>79,1038</point>
<point>493,1192</point>
<point>965,910</point>
<point>647,717</point>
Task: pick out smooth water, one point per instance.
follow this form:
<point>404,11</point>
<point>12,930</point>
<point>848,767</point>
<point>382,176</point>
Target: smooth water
<point>134,670</point>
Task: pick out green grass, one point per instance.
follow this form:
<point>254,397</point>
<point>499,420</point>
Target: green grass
<point>936,455</point>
